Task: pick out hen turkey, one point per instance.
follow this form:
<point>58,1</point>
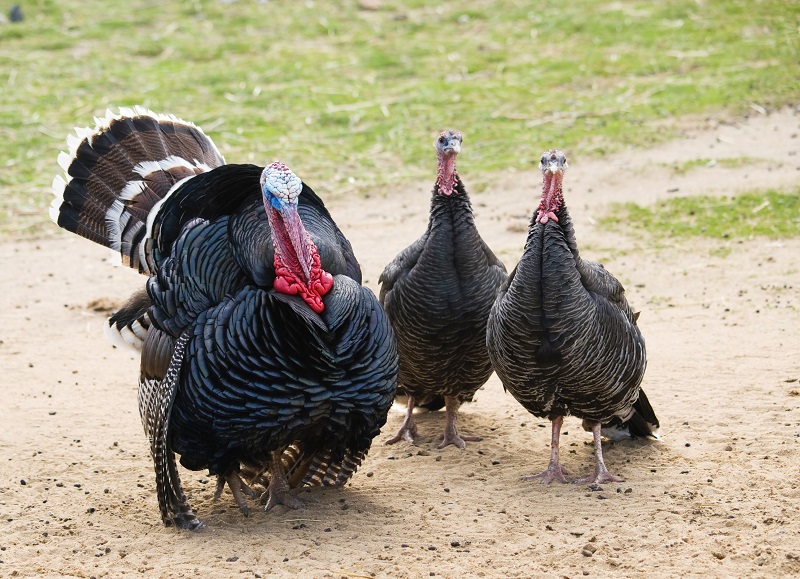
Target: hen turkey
<point>437,293</point>
<point>260,348</point>
<point>563,339</point>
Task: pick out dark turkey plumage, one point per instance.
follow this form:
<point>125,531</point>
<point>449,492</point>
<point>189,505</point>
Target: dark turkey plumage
<point>437,293</point>
<point>562,337</point>
<point>260,348</point>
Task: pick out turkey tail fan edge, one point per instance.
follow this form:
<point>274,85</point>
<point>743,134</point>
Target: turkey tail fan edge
<point>122,169</point>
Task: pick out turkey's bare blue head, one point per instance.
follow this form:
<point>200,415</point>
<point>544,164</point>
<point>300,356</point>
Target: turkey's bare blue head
<point>553,164</point>
<point>448,146</point>
<point>297,264</point>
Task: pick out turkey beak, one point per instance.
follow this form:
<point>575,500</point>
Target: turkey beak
<point>453,147</point>
<point>553,167</point>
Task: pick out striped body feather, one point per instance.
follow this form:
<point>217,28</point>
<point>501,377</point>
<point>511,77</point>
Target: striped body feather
<point>437,294</point>
<point>562,337</point>
<point>156,396</point>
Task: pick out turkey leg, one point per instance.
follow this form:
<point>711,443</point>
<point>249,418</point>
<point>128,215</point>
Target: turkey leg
<point>408,430</point>
<point>601,474</point>
<point>451,436</point>
<point>554,470</point>
<point>278,490</point>
<point>237,486</point>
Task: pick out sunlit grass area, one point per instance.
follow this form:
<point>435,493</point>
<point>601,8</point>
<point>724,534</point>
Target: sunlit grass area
<point>768,214</point>
<point>352,98</point>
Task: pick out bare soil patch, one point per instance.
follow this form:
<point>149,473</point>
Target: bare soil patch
<point>718,496</point>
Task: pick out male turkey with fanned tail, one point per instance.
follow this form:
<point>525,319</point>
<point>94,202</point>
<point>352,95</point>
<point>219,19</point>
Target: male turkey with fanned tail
<point>563,339</point>
<point>437,293</point>
<point>261,350</point>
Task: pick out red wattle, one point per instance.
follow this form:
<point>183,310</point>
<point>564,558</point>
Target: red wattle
<point>288,283</point>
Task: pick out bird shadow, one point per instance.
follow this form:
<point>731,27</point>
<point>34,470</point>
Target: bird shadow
<point>322,506</point>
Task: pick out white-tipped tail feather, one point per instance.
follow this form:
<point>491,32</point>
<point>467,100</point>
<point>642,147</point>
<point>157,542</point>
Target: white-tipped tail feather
<point>117,174</point>
<point>125,337</point>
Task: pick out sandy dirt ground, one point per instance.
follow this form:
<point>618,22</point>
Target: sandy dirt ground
<point>718,496</point>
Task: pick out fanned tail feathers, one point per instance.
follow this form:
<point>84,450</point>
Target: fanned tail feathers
<point>315,468</point>
<point>323,470</point>
<point>118,174</point>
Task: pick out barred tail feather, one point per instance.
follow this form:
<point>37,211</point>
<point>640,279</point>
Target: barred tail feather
<point>327,472</point>
<point>313,468</point>
<point>155,405</point>
<point>128,327</point>
<point>642,422</point>
<point>118,172</point>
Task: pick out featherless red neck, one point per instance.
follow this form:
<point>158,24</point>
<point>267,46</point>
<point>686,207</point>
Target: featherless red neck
<point>448,146</point>
<point>553,164</point>
<point>297,264</point>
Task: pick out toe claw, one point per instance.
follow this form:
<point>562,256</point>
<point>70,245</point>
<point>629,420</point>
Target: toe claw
<point>553,473</point>
<point>458,440</point>
<point>188,521</point>
<point>285,499</point>
<point>405,433</point>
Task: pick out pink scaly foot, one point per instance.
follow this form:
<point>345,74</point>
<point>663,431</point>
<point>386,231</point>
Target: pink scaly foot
<point>451,435</point>
<point>554,470</point>
<point>278,489</point>
<point>408,430</point>
<point>600,474</point>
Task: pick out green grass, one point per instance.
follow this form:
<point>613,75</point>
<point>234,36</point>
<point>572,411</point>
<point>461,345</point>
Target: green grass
<point>768,214</point>
<point>725,162</point>
<point>352,98</point>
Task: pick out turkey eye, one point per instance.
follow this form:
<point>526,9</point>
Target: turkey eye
<point>441,140</point>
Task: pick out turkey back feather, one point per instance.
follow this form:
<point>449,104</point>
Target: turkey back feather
<point>199,272</point>
<point>233,190</point>
<point>251,235</point>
